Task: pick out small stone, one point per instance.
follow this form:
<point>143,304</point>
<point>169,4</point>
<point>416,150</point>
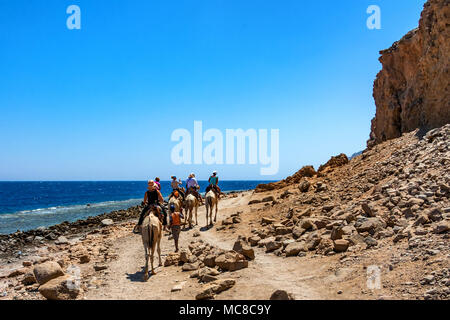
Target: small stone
<point>61,240</point>
<point>100,266</point>
<point>190,266</point>
<point>107,222</point>
<point>341,245</point>
<point>178,287</point>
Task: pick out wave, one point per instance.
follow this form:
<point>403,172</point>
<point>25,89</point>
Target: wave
<point>66,209</point>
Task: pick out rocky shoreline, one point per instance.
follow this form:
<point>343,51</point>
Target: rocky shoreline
<point>12,245</point>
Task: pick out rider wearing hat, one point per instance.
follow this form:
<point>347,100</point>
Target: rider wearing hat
<point>152,198</point>
<point>192,187</point>
<point>213,184</point>
<point>176,188</point>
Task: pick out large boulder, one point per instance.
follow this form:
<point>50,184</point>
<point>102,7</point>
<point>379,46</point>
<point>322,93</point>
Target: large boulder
<point>231,261</point>
<point>294,248</point>
<point>47,271</point>
<point>243,248</point>
<point>341,245</point>
<point>61,288</point>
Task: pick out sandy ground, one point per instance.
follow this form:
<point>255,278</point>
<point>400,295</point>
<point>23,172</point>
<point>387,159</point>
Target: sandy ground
<point>263,276</point>
<point>340,276</point>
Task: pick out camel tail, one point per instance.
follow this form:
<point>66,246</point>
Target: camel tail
<point>150,236</point>
<point>209,201</point>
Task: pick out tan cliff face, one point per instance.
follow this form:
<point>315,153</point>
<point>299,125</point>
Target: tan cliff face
<point>412,89</point>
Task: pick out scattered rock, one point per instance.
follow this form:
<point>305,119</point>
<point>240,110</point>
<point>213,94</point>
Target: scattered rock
<point>341,245</point>
<point>107,222</point>
<point>243,248</point>
<point>214,288</point>
<point>60,288</point>
<point>281,295</point>
<point>231,261</point>
<point>47,271</point>
<point>293,249</point>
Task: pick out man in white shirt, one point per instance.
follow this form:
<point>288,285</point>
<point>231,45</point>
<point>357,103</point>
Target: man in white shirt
<point>192,187</point>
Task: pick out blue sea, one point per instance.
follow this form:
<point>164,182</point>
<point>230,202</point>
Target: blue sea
<point>28,205</point>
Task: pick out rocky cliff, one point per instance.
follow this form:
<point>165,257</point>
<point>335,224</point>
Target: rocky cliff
<point>412,89</point>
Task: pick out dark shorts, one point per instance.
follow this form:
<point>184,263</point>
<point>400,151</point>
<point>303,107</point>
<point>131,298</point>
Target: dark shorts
<point>176,232</point>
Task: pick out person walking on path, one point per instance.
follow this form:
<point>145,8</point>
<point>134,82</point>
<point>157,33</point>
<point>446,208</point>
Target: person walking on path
<point>175,224</point>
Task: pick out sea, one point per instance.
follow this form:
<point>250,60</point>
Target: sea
<point>29,205</point>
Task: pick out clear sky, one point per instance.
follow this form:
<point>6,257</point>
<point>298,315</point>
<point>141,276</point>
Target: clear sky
<point>101,103</point>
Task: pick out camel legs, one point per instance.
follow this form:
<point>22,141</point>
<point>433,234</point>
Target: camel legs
<point>152,252</point>
<point>217,208</point>
<point>159,251</point>
<point>190,217</point>
<point>196,216</point>
<point>210,216</point>
<point>146,264</point>
<point>186,216</point>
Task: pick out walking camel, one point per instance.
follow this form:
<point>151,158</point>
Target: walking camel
<point>191,203</point>
<point>177,202</point>
<point>211,201</point>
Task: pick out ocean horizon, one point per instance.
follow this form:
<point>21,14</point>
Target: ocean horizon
<point>26,205</point>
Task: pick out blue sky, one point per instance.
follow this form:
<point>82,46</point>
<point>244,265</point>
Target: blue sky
<point>101,103</point>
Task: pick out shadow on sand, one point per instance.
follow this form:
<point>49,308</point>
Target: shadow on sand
<point>138,276</point>
<point>203,229</point>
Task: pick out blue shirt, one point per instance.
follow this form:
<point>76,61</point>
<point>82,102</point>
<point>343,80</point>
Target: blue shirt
<point>213,180</point>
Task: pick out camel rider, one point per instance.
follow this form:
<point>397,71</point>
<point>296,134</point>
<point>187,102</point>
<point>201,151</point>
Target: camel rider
<point>152,198</point>
<point>176,187</point>
<point>175,224</point>
<point>192,187</point>
<point>158,183</point>
<point>213,184</point>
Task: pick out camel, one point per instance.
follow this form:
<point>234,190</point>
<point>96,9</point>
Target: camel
<point>177,202</point>
<point>191,202</point>
<point>211,201</point>
<point>151,232</point>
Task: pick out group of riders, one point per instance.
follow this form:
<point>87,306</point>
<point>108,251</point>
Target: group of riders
<point>153,199</point>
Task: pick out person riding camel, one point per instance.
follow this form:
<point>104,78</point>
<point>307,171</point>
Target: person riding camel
<point>152,198</point>
<point>158,183</point>
<point>176,187</point>
<point>213,184</point>
<point>192,187</point>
